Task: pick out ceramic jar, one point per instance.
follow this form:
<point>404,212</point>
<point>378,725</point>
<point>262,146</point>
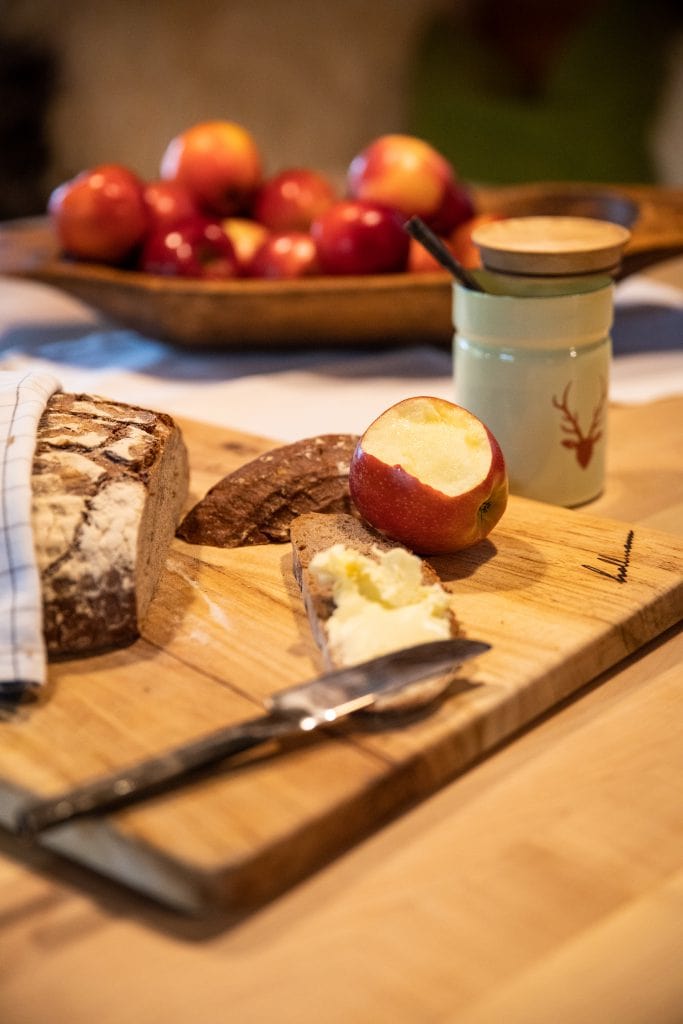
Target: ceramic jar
<point>532,351</point>
<point>535,369</point>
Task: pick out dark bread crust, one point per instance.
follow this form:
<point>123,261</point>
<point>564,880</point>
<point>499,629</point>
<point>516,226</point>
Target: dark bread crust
<point>109,483</point>
<point>257,502</point>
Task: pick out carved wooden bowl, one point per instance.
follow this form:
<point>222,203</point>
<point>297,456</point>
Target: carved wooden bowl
<point>391,309</point>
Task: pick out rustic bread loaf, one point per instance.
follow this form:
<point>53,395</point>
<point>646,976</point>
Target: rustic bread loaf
<point>109,484</point>
<point>256,503</point>
<point>312,533</point>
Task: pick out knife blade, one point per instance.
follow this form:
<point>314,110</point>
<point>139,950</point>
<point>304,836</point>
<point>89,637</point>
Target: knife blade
<point>296,710</point>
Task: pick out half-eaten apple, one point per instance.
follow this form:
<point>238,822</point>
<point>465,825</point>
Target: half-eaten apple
<point>429,474</point>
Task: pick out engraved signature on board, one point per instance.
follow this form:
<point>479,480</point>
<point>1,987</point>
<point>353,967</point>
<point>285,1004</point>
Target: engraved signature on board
<point>620,565</point>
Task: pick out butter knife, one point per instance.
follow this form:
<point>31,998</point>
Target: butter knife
<point>297,710</point>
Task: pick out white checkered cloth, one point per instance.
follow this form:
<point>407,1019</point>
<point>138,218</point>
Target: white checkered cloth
<point>23,397</point>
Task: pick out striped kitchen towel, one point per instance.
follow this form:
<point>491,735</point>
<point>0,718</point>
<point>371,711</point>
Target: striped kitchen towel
<point>23,397</point>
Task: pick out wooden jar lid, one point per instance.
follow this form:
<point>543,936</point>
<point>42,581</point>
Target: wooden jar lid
<point>549,246</point>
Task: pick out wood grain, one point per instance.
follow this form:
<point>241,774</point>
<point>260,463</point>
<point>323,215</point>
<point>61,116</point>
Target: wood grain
<point>378,310</point>
<point>654,215</point>
<point>226,628</point>
<point>551,245</point>
<point>543,884</point>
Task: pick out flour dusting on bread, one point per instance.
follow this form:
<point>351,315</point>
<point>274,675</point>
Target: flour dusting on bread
<point>109,483</point>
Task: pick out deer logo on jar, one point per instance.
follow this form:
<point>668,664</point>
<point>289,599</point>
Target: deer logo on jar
<point>582,444</point>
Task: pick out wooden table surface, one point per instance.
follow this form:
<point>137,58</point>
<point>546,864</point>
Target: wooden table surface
<point>544,884</point>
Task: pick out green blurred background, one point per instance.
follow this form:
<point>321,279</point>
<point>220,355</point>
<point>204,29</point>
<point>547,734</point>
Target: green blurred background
<point>532,90</point>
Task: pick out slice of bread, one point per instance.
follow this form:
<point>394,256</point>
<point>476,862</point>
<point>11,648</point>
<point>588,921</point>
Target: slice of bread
<point>257,502</point>
<point>315,532</point>
<point>109,483</point>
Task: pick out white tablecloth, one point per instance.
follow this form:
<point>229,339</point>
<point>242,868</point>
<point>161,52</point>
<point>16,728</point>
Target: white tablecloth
<point>289,395</point>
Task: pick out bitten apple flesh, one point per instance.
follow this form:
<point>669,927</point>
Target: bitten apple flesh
<point>429,474</point>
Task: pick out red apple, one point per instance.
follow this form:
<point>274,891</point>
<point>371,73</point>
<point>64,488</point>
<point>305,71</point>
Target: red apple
<point>409,174</point>
<point>421,261</point>
<point>354,237</point>
<point>247,236</point>
<point>169,203</point>
<point>219,162</point>
<point>456,207</point>
<point>285,254</point>
<point>429,474</point>
<point>464,249</point>
<point>100,214</point>
<point>195,248</point>
<point>292,199</point>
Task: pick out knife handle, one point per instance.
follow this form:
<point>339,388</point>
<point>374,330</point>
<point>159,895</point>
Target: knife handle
<point>153,775</point>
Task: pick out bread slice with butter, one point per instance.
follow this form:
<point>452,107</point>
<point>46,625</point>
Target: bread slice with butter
<point>109,483</point>
<point>363,594</point>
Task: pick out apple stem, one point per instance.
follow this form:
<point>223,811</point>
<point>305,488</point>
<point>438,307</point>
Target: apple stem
<point>418,230</point>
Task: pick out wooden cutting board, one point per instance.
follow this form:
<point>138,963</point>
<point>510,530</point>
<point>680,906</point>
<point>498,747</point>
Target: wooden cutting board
<point>561,596</point>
